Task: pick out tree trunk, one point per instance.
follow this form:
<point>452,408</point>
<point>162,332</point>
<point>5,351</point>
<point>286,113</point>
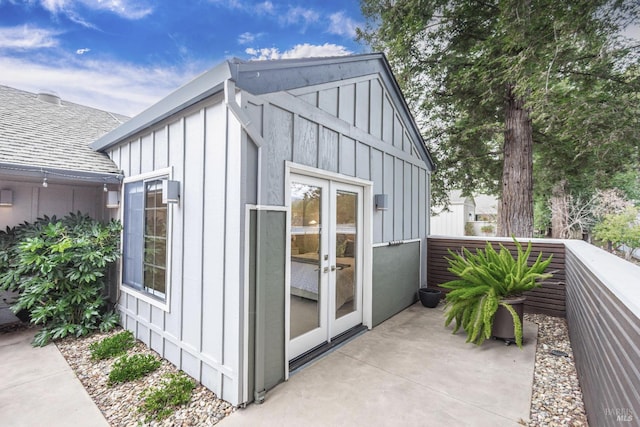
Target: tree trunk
<point>559,211</point>
<point>516,213</point>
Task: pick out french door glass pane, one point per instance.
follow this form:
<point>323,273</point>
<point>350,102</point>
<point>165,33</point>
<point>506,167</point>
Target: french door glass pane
<point>306,229</point>
<point>346,244</point>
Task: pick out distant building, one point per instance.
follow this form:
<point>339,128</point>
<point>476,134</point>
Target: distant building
<point>465,216</point>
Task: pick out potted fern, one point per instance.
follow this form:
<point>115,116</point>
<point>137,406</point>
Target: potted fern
<point>488,290</point>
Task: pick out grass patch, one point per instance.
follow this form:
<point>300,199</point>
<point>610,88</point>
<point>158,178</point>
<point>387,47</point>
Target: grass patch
<point>160,402</point>
<point>112,346</point>
<point>129,368</point>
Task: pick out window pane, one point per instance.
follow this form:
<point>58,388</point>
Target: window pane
<point>133,234</point>
<point>150,222</point>
<point>155,239</point>
<point>145,237</point>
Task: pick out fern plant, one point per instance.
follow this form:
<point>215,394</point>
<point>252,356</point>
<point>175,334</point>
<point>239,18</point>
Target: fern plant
<point>484,280</point>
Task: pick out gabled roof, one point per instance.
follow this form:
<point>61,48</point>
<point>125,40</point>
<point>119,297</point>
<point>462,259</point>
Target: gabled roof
<point>39,133</point>
<point>260,77</point>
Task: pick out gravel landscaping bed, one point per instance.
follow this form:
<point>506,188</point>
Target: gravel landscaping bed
<point>119,403</point>
<point>556,395</point>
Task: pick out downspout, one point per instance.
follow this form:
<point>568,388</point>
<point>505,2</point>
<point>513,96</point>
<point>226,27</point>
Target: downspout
<point>259,346</point>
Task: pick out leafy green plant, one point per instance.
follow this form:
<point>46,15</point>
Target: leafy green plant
<point>112,346</point>
<point>484,279</point>
<point>621,229</point>
<point>58,267</point>
<point>129,368</point>
<point>160,402</point>
<point>468,229</point>
<point>487,229</point>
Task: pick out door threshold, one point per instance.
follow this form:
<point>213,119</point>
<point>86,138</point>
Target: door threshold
<point>306,358</point>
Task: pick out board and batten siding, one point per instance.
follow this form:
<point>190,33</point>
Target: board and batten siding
<point>200,333</point>
<point>350,128</point>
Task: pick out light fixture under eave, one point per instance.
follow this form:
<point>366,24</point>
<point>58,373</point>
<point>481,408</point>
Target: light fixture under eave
<point>113,199</point>
<point>104,188</point>
<point>6,198</point>
<point>45,184</point>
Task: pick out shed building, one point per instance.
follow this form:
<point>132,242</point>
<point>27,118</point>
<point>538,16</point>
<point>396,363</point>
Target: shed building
<point>270,209</point>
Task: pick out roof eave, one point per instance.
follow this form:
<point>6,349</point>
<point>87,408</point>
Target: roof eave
<point>203,86</point>
<point>40,172</point>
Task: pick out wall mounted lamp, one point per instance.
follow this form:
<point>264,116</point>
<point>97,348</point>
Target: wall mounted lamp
<point>381,201</point>
<point>6,198</point>
<point>113,199</point>
<point>170,191</point>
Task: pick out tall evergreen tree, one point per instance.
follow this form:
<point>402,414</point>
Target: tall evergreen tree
<point>493,81</point>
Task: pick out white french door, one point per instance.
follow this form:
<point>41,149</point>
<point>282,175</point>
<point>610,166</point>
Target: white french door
<point>326,225</point>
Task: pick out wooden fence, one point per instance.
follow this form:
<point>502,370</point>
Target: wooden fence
<point>548,299</point>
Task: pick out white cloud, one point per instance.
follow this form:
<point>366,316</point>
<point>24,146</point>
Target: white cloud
<point>265,8</point>
<point>304,50</point>
<point>246,38</point>
<point>83,51</point>
<point>108,85</point>
<point>27,37</point>
<point>127,9</point>
<point>230,4</point>
<point>342,25</point>
<point>301,16</point>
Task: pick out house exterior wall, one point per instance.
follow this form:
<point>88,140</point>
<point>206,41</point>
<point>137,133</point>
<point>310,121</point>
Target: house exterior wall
<point>368,141</point>
<point>349,128</point>
<point>32,201</point>
<point>200,331</point>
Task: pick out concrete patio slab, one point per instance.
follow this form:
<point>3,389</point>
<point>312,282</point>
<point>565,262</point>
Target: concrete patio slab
<point>38,388</point>
<point>408,371</point>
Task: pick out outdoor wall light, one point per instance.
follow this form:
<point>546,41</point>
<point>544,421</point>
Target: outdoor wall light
<point>170,191</point>
<point>6,198</point>
<point>381,201</point>
<point>113,199</point>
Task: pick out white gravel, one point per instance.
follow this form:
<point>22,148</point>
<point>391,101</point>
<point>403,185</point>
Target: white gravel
<point>556,395</point>
<point>119,403</point>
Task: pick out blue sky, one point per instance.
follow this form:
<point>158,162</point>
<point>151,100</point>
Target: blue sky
<point>123,55</point>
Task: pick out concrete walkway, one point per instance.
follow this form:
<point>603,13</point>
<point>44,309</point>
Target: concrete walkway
<point>409,371</point>
<point>38,388</point>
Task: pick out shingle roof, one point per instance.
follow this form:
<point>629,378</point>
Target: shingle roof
<point>55,135</point>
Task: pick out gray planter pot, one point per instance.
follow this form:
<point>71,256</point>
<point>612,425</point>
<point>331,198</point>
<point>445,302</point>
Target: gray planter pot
<point>429,297</point>
<point>503,327</point>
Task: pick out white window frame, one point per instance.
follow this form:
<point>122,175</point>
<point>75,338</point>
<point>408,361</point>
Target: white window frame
<point>128,289</point>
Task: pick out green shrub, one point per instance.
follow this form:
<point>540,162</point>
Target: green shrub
<point>112,346</point>
<point>160,402</point>
<point>58,267</point>
<point>484,279</point>
<point>621,229</point>
<point>129,368</point>
<point>468,229</point>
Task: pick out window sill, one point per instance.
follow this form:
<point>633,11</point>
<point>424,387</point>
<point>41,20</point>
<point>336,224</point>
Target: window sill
<point>143,296</point>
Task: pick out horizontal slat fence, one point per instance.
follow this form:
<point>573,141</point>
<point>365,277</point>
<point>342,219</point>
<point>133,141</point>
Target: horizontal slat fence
<point>547,299</point>
<point>603,313</point>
